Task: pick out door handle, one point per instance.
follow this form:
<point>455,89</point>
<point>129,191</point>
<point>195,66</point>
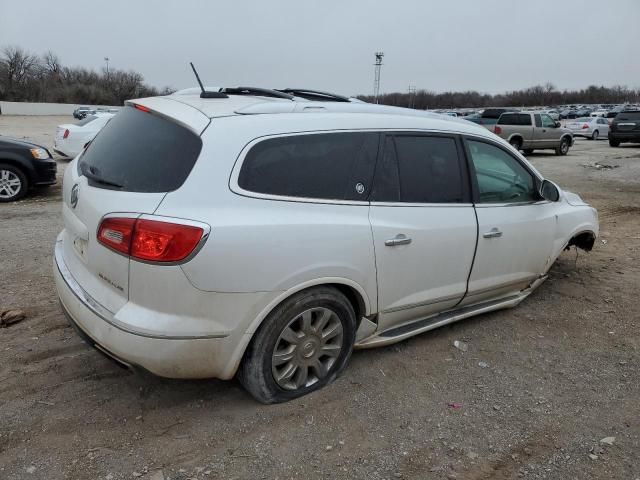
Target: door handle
<point>399,239</point>
<point>494,232</point>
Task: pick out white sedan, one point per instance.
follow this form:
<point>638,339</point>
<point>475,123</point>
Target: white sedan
<point>71,138</point>
<point>589,127</point>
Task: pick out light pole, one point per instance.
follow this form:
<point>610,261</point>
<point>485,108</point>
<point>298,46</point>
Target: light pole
<point>376,77</point>
<point>106,59</point>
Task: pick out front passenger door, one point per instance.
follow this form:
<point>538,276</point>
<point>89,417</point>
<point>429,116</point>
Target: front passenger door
<point>550,134</point>
<point>517,228</point>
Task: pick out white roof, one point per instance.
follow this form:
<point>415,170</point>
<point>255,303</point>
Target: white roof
<point>187,107</point>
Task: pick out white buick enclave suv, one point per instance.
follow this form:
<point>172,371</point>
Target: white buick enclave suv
<point>268,233</point>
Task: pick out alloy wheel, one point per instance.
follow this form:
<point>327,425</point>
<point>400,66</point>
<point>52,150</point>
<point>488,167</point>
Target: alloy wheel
<point>10,184</point>
<point>307,348</point>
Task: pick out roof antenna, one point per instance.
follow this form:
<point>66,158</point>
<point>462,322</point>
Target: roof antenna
<point>204,93</point>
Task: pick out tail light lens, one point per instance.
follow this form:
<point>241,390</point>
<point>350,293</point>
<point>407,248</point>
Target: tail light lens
<point>497,130</point>
<point>116,233</point>
<point>586,125</point>
<point>66,133</point>
<point>149,240</point>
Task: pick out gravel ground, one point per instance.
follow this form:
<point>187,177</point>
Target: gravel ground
<point>537,390</point>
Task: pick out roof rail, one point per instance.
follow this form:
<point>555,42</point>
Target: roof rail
<point>261,92</point>
<point>316,95</point>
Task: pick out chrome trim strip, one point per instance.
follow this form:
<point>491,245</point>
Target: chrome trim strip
<point>99,310</point>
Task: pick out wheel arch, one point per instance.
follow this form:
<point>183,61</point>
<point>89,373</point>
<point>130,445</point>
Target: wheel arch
<point>356,295</point>
<point>516,136</point>
<point>568,136</point>
<point>18,162</point>
<point>584,239</point>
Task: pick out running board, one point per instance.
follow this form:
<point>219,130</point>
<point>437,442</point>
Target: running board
<point>397,334</point>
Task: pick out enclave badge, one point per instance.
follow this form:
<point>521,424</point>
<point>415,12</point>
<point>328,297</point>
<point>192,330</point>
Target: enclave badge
<point>74,196</point>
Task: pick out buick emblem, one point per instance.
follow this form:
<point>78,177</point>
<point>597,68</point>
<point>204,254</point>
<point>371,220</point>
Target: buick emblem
<point>74,196</point>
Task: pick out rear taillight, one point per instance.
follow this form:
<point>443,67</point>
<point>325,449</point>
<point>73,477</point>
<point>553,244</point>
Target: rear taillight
<point>66,133</point>
<point>586,125</point>
<point>116,233</point>
<point>149,240</point>
<point>497,130</point>
<point>163,241</point>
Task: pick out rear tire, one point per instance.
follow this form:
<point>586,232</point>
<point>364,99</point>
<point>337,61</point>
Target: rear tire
<point>594,135</point>
<point>528,151</point>
<point>563,149</point>
<point>614,143</point>
<point>13,183</point>
<point>302,345</point>
<point>516,143</point>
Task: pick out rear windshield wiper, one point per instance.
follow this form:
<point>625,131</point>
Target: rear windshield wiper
<point>98,179</point>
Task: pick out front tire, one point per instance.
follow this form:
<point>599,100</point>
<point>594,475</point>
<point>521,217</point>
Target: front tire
<point>614,143</point>
<point>13,183</point>
<point>563,149</point>
<point>302,345</point>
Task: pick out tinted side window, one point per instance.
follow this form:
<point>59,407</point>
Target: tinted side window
<point>538,120</point>
<point>524,118</point>
<point>500,177</point>
<point>336,166</point>
<point>386,186</point>
<point>509,119</point>
<point>429,169</point>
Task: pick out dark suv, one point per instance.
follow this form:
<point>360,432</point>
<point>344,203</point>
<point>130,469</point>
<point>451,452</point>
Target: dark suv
<point>23,165</point>
<point>625,128</point>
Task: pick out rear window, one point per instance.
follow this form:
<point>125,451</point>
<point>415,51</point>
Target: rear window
<point>628,116</point>
<point>140,152</point>
<point>85,120</point>
<point>337,166</point>
<point>584,119</point>
<point>515,119</point>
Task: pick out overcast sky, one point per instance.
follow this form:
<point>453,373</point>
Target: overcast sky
<point>485,45</point>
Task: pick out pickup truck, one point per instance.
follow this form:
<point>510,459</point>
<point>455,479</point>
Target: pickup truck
<point>529,131</point>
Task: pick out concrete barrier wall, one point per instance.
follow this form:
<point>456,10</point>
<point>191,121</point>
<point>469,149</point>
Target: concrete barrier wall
<point>26,108</point>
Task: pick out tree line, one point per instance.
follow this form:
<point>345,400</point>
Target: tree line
<point>539,95</point>
<point>28,77</point>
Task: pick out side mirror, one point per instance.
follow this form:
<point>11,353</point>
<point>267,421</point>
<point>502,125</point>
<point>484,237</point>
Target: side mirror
<point>549,191</point>
<point>558,124</point>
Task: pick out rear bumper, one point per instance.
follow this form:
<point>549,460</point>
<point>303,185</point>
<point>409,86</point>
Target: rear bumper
<point>165,357</point>
<point>625,136</point>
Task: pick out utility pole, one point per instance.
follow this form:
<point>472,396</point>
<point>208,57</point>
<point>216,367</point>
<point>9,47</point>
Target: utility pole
<point>106,59</point>
<point>376,77</point>
<point>412,96</point>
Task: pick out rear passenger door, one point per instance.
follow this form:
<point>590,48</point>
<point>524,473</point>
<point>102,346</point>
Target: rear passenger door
<point>424,226</point>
